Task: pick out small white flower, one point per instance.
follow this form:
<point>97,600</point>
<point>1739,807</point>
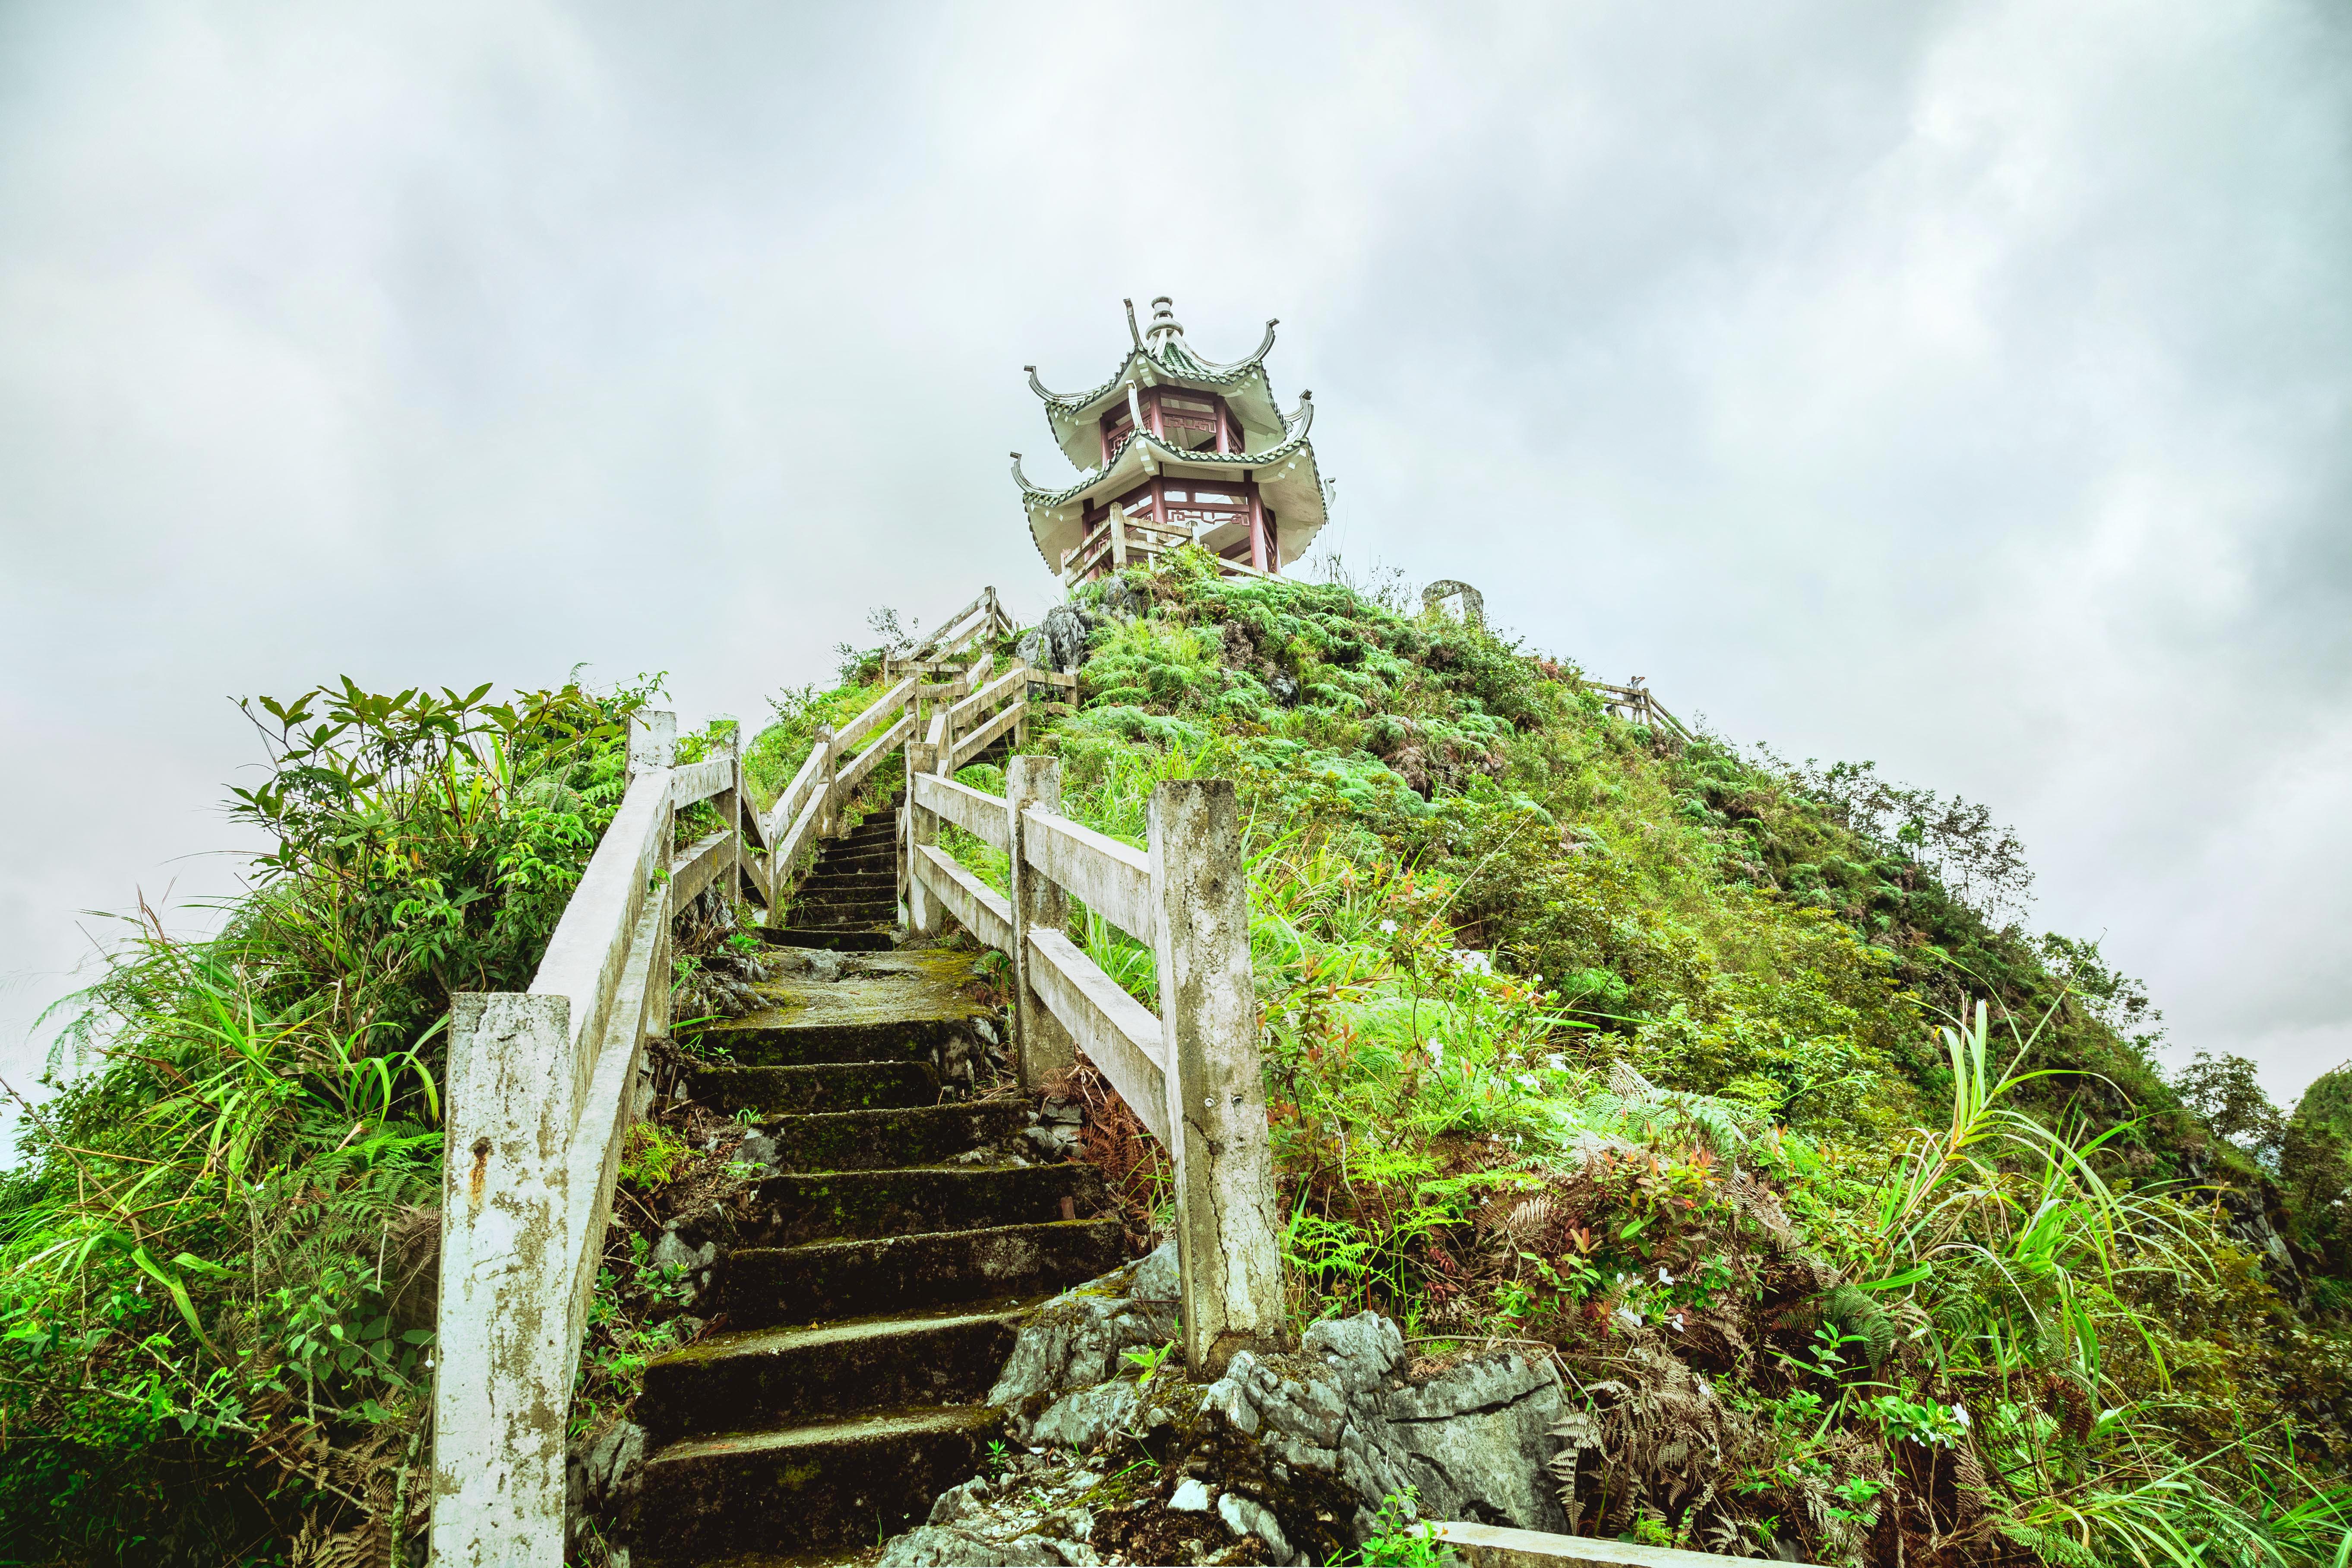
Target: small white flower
<point>1678,1322</point>
<point>1557,1063</point>
<point>1437,1052</point>
<point>1961,1415</point>
<point>1526,1080</point>
<point>1388,928</point>
<point>1664,1277</point>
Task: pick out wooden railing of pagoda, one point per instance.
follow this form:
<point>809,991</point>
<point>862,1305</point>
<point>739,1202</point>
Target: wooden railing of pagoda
<point>1121,539</point>
<point>1190,1072</point>
<point>1640,705</point>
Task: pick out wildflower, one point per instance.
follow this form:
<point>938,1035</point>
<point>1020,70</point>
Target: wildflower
<point>1961,1415</point>
<point>1678,1322</point>
<point>1664,1277</point>
<point>1557,1063</point>
<point>1437,1052</point>
<point>1388,928</point>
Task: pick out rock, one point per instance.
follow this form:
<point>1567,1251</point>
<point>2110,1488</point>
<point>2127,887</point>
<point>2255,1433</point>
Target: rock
<point>1244,1517</point>
<point>1191,1495</point>
<point>611,1471</point>
<point>1060,640</point>
<point>1363,1350</point>
<point>1051,1141</point>
<point>758,1148</point>
<point>1076,1339</point>
<point>958,1503</point>
<point>1155,1278</point>
<point>938,1546</point>
<point>1473,1441</point>
<point>1082,1421</point>
<point>1068,1110</point>
<point>670,1252</point>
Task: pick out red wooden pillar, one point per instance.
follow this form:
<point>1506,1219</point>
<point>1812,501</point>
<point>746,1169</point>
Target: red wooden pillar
<point>1258,551</point>
<point>1158,432</point>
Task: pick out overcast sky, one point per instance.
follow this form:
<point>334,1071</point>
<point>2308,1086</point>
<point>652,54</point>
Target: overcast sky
<point>1963,387</point>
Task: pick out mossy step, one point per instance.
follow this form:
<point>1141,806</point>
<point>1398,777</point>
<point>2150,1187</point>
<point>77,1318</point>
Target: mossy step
<point>868,1140</point>
<point>829,1280</point>
<point>826,1086</point>
<point>773,1377</point>
<point>832,1483</point>
<point>834,939</point>
<point>753,1043</point>
<point>845,904</point>
<point>829,1205</point>
<point>882,879</point>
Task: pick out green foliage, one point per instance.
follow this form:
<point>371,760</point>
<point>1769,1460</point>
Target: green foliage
<point>208,1275</point>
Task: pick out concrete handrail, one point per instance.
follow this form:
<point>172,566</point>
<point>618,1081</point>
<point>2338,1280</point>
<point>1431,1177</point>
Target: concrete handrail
<point>1192,1071</point>
<point>542,1087</point>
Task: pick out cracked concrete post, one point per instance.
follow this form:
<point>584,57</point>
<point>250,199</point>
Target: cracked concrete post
<point>826,773</point>
<point>1227,1256</point>
<point>923,911</point>
<point>1044,1046</point>
<point>501,1383</point>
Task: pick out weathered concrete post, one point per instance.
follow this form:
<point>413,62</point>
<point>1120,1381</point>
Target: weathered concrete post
<point>1044,1047</point>
<point>501,1372</point>
<point>826,773</point>
<point>923,911</point>
<point>730,802</point>
<point>1226,1252</point>
<point>653,740</point>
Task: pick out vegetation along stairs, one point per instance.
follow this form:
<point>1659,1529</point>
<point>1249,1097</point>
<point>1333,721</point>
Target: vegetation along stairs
<point>871,1301</point>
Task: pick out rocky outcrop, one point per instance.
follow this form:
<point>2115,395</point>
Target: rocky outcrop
<point>1471,1441</point>
<point>1287,1455</point>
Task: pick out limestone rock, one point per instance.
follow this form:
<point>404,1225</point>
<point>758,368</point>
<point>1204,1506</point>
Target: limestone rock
<point>1076,1340</point>
<point>941,1546</point>
<point>1244,1517</point>
<point>1191,1495</point>
<point>1081,1420</point>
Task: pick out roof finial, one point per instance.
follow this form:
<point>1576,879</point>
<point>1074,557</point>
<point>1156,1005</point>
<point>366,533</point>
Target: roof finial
<point>1131,322</point>
<point>1164,324</point>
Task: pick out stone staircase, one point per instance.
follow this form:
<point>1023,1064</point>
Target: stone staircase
<point>850,900</point>
<point>870,1301</point>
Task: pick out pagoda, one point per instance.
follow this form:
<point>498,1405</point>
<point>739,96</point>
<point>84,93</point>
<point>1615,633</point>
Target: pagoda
<point>1175,449</point>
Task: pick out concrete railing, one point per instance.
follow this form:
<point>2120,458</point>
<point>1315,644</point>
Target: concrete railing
<point>542,1086</point>
<point>1190,1072</point>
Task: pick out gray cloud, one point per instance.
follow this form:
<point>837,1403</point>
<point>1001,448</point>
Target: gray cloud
<point>1960,387</point>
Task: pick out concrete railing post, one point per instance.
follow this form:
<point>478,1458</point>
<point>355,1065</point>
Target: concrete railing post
<point>826,774</point>
<point>1227,1256</point>
<point>1044,1047</point>
<point>730,814</point>
<point>923,911</point>
<point>653,740</point>
<point>501,1377</point>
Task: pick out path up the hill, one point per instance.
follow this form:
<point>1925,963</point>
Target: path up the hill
<point>869,1305</point>
<point>849,902</point>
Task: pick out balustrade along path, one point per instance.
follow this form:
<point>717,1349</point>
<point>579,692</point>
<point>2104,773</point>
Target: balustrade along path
<point>870,1303</point>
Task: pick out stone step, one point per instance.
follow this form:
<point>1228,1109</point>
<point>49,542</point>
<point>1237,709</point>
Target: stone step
<point>848,1482</point>
<point>882,892</point>
<point>836,939</point>
<point>872,1139</point>
<point>830,1086</point>
<point>829,1280</point>
<point>751,1043</point>
<point>844,1205</point>
<point>854,874</point>
<point>776,1377</point>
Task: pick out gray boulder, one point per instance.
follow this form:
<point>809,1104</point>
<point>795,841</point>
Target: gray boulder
<point>1057,642</point>
<point>943,1546</point>
<point>1081,1420</point>
<point>1076,1340</point>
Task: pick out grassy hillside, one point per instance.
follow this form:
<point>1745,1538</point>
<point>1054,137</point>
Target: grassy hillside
<point>1661,1059</point>
<point>1719,1078</point>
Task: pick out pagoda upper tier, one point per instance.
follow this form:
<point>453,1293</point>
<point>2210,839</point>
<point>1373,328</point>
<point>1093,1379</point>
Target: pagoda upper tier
<point>1174,449</point>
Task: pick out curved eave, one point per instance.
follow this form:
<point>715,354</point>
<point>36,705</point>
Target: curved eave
<point>1070,415</point>
<point>1285,473</point>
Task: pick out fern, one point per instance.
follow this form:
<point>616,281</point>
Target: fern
<point>1856,1313</point>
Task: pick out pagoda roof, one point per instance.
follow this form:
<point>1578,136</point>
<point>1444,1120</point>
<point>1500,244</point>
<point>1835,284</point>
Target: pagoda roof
<point>1161,356</point>
<point>1285,471</point>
